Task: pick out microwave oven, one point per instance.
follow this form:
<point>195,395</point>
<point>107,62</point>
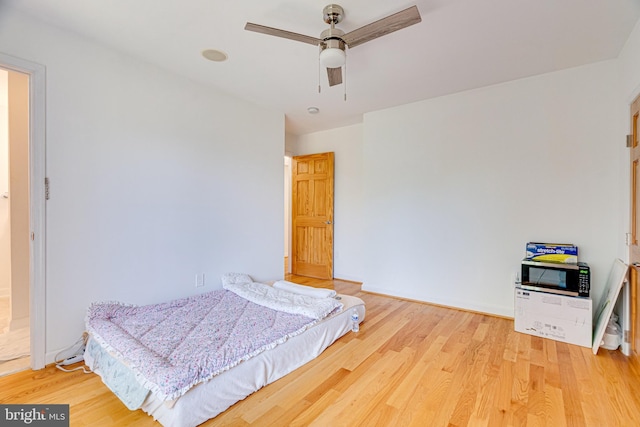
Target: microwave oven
<point>564,279</point>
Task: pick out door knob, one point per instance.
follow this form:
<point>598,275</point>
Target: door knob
<point>328,222</point>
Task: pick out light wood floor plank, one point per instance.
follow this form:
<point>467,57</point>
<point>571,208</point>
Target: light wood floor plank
<point>411,364</point>
<point>316,408</point>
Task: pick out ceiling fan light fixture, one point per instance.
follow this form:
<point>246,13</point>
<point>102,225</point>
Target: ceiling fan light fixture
<point>333,42</point>
<point>332,57</point>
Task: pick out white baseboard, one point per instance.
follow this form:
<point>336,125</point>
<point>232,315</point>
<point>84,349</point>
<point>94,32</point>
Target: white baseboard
<point>15,324</point>
<point>471,306</point>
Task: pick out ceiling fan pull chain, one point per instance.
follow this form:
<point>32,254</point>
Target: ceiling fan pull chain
<point>345,79</point>
<point>319,67</point>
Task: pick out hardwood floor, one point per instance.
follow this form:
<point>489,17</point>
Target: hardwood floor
<point>14,345</point>
<point>410,364</point>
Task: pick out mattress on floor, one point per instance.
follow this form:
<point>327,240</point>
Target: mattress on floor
<point>208,399</point>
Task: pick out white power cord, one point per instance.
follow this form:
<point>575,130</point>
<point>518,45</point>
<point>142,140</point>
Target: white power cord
<point>76,357</point>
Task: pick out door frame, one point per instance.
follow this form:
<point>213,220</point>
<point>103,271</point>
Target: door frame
<point>330,218</point>
<point>37,173</point>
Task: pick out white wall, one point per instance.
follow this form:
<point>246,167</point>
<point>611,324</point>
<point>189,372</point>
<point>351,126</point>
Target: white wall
<point>455,186</point>
<point>346,143</point>
<point>153,179</point>
<point>629,62</point>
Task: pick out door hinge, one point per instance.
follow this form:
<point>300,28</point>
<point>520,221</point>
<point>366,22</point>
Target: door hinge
<point>627,239</point>
<point>33,236</point>
<point>46,188</point>
<point>629,141</point>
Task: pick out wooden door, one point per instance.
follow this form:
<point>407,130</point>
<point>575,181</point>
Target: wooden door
<point>312,215</point>
<point>634,247</point>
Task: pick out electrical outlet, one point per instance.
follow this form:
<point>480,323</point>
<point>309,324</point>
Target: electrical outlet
<point>199,280</point>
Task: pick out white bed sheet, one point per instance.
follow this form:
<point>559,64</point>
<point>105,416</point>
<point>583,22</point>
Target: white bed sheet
<point>206,400</point>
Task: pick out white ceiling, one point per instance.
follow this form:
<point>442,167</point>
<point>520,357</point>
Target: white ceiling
<point>459,45</point>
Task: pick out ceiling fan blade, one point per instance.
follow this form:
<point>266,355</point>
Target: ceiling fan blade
<point>282,33</point>
<point>335,76</point>
<point>382,27</point>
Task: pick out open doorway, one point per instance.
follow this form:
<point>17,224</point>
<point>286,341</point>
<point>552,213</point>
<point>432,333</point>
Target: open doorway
<point>287,215</point>
<point>26,199</point>
<point>14,222</point>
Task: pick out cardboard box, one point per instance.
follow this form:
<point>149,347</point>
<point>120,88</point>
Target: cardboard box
<point>564,253</point>
<point>557,317</point>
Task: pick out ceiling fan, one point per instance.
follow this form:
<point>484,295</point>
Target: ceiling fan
<point>332,41</point>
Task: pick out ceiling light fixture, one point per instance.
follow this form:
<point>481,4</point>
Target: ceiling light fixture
<point>313,110</point>
<point>215,55</point>
<point>332,57</point>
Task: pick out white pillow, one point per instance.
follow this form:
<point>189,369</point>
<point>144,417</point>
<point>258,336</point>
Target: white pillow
<point>235,279</point>
<point>304,290</point>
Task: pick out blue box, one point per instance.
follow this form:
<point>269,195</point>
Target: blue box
<point>563,253</point>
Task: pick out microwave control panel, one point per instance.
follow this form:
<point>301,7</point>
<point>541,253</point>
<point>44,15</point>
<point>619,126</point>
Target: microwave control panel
<point>584,279</point>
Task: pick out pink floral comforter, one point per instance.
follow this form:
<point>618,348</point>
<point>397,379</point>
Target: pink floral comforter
<point>173,346</point>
